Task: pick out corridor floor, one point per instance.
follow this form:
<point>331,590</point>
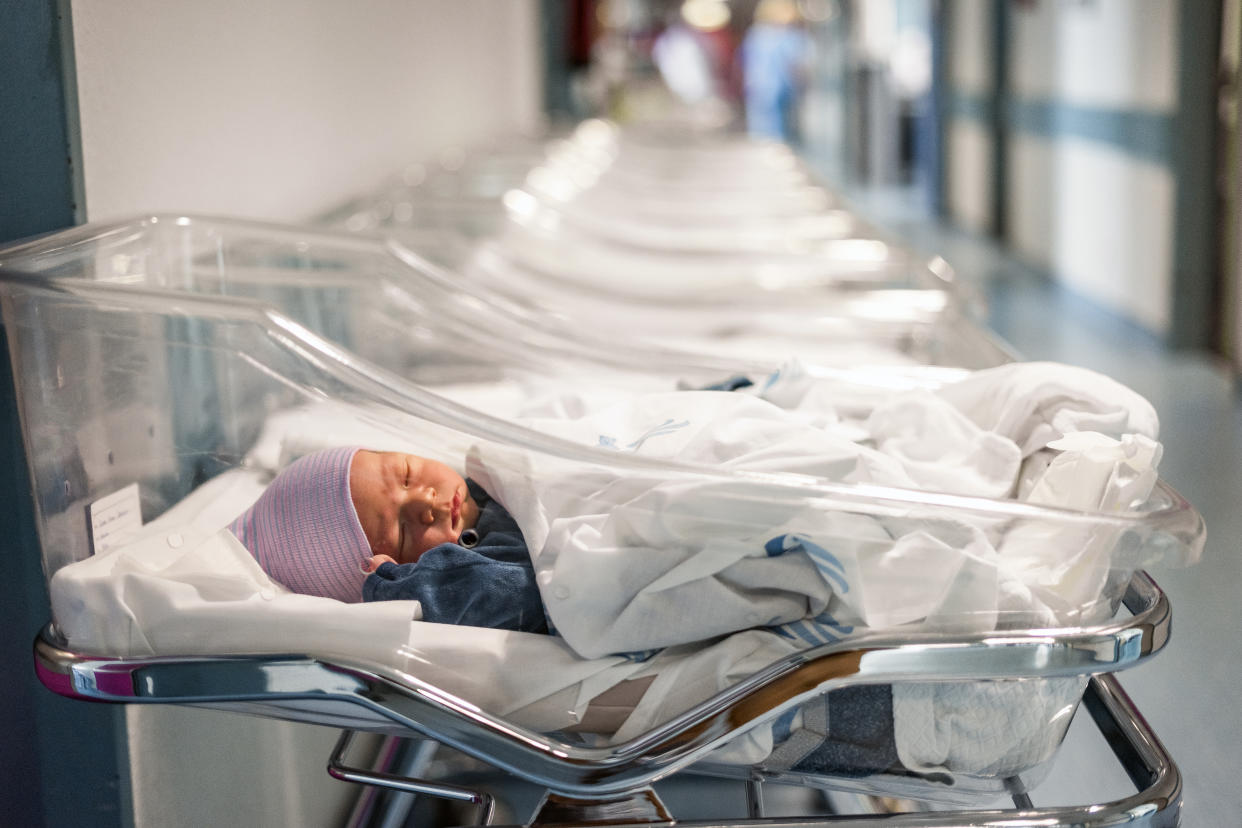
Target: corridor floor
<point>1188,692</point>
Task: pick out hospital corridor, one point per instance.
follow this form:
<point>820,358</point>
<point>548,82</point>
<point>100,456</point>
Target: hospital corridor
<point>708,413</point>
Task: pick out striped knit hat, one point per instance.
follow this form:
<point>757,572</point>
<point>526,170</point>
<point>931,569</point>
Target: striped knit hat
<point>304,530</point>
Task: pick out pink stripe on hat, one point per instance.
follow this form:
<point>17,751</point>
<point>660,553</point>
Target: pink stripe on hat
<point>304,530</point>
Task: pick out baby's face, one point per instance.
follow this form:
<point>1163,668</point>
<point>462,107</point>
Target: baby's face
<point>408,504</point>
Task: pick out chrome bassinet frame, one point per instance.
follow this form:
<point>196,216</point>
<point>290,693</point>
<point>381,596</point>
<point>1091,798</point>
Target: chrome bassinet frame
<point>612,784</point>
<point>1156,802</point>
<point>357,695</point>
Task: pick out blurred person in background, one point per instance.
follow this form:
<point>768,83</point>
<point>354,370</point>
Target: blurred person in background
<point>773,57</point>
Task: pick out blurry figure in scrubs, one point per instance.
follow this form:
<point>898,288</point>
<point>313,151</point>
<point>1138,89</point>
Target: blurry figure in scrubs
<point>774,54</point>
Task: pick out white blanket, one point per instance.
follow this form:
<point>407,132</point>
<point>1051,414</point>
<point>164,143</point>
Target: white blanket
<point>636,560</point>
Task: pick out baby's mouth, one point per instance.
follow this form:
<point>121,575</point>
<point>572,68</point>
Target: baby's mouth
<point>455,508</point>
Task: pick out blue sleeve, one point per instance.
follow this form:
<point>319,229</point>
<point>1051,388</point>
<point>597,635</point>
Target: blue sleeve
<point>491,585</point>
<point>733,383</point>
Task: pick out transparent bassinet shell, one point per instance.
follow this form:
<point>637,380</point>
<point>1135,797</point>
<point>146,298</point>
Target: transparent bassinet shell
<point>524,249</point>
<point>461,189</point>
<point>164,352</point>
<point>676,245</point>
<point>460,193</point>
<point>657,155</point>
<point>743,197</point>
<point>400,307</point>
<point>750,305</point>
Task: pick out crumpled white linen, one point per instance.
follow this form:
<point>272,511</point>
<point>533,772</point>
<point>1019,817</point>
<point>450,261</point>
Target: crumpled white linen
<point>1034,403</point>
<point>632,561</point>
<point>1091,472</point>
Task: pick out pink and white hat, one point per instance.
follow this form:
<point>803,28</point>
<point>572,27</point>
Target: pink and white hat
<point>304,530</point>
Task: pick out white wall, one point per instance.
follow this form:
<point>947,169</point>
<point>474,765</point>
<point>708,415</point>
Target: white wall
<point>207,768</point>
<point>968,147</point>
<point>1095,214</point>
<point>1107,53</point>
<point>968,174</point>
<point>970,52</point>
<point>284,108</point>
<point>276,110</point>
<point>1101,220</point>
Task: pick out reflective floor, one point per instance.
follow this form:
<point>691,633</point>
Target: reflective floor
<point>1189,692</point>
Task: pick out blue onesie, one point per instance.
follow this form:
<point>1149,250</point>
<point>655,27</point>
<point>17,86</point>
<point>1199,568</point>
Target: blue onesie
<point>486,580</point>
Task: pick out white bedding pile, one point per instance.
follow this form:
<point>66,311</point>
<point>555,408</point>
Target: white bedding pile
<point>632,561</point>
<point>655,568</point>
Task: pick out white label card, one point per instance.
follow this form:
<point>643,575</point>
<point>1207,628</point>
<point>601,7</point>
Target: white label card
<point>115,518</point>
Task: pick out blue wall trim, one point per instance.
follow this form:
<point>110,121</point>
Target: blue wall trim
<point>971,107</point>
<point>1140,134</point>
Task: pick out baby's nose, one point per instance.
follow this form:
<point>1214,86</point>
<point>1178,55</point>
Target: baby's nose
<point>423,505</point>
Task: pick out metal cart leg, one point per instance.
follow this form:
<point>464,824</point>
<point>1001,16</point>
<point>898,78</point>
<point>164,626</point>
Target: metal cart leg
<point>400,755</point>
<point>754,798</point>
<point>338,770</point>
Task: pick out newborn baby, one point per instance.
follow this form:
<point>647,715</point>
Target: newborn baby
<point>360,525</point>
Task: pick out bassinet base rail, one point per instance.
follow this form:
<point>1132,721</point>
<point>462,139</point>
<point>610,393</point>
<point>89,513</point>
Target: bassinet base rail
<point>1155,804</point>
<point>367,697</point>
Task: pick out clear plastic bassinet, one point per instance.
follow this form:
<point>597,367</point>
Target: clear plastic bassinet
<point>135,363</point>
<point>459,193</point>
<point>462,189</point>
<point>405,311</point>
<point>645,245</point>
<point>713,195</point>
<point>723,301</point>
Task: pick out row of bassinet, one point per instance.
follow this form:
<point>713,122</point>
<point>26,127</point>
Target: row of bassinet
<point>159,350</point>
